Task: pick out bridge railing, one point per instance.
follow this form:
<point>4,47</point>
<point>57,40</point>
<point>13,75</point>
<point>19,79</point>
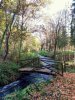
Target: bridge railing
<point>32,62</point>
<point>60,67</point>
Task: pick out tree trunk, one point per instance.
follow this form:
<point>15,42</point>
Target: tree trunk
<point>49,47</point>
<point>6,46</point>
<point>21,36</point>
<point>20,48</point>
<point>1,42</point>
<point>74,54</point>
<point>6,30</point>
<point>55,48</point>
<point>41,46</point>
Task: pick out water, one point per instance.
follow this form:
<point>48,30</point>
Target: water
<point>23,82</point>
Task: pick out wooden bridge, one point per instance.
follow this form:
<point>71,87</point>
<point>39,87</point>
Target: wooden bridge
<point>37,70</point>
<point>48,66</point>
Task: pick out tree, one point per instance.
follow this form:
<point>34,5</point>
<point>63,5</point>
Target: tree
<point>61,39</point>
<point>10,12</point>
<point>14,8</point>
<point>73,24</point>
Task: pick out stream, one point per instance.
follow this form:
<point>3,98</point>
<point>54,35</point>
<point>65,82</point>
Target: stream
<point>25,80</point>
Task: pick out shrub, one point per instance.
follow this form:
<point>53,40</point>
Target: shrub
<point>28,55</point>
<point>44,53</point>
<point>27,59</point>
<point>8,72</point>
<point>66,55</point>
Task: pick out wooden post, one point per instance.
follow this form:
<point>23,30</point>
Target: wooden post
<point>62,68</point>
<point>38,62</point>
<point>33,62</point>
<point>65,66</point>
<point>74,58</point>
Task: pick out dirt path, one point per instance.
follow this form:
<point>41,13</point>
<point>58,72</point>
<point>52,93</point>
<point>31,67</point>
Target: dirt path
<point>62,88</point>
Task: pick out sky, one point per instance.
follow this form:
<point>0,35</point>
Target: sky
<point>56,6</point>
<point>51,10</point>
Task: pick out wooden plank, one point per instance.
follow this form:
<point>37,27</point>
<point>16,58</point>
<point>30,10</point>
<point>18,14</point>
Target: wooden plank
<point>25,69</point>
<point>37,70</point>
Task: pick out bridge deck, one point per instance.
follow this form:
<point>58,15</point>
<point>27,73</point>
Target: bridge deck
<point>37,70</point>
